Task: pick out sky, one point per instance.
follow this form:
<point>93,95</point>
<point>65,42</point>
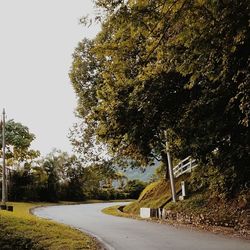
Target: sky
<point>37,39</point>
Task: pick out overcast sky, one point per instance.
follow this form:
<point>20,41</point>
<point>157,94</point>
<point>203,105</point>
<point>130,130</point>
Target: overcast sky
<point>37,39</point>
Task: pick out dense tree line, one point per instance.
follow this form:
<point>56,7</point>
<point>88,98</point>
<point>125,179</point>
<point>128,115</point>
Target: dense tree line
<point>58,176</point>
<point>180,66</point>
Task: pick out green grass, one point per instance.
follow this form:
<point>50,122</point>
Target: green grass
<point>212,209</point>
<point>195,204</point>
<point>22,230</point>
<point>155,195</point>
<point>114,210</point>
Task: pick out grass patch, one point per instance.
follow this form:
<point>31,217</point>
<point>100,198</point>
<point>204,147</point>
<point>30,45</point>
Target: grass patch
<point>214,210</point>
<point>22,230</point>
<point>114,210</point>
<point>155,195</point>
<point>197,203</point>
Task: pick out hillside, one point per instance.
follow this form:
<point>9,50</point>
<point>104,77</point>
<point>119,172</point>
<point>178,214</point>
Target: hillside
<point>200,208</point>
<point>155,195</point>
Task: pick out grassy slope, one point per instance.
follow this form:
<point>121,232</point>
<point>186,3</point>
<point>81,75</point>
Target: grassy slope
<point>21,230</point>
<point>154,195</point>
<point>200,205</point>
<point>216,211</point>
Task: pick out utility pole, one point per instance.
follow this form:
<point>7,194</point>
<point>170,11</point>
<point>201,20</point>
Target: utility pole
<point>170,169</point>
<point>4,193</point>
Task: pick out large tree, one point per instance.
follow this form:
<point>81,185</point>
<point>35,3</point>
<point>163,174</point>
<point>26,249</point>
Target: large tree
<point>180,66</point>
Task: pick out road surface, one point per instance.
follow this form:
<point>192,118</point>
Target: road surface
<point>128,234</point>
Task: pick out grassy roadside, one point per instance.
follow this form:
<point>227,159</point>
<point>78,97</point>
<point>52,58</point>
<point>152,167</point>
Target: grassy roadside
<point>114,210</point>
<point>22,230</point>
<point>155,195</point>
<point>199,211</point>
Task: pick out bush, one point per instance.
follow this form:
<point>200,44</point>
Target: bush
<point>10,241</point>
<point>134,188</point>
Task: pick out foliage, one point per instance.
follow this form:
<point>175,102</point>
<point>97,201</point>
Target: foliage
<point>27,183</point>
<point>17,135</point>
<point>86,78</point>
<point>222,184</point>
<point>21,230</point>
<point>159,172</point>
<point>176,66</point>
<point>59,176</point>
<point>86,147</point>
<point>134,188</point>
<point>18,139</point>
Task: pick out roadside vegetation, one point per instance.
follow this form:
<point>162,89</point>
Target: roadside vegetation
<point>198,201</point>
<point>155,195</point>
<point>59,176</point>
<point>22,230</point>
<point>117,211</point>
<point>201,207</point>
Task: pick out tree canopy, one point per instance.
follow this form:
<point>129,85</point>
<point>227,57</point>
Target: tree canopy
<point>18,140</point>
<point>180,66</point>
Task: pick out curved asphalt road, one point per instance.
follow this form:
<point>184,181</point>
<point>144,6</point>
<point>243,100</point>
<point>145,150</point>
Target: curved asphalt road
<point>128,234</point>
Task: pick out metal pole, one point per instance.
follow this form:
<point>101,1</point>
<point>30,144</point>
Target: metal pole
<point>4,194</point>
<point>170,169</point>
